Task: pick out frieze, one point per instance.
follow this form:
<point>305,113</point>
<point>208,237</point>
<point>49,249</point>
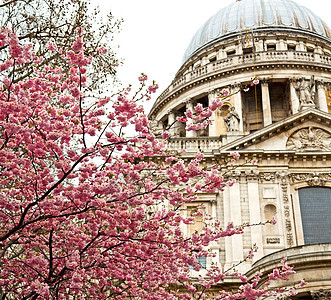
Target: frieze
<point>309,139</point>
<point>313,179</point>
<point>267,177</point>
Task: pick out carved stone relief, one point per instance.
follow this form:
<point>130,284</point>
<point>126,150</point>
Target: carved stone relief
<point>309,139</point>
<point>321,294</point>
<point>232,120</point>
<point>286,206</point>
<point>313,179</point>
<point>266,176</point>
<point>306,90</point>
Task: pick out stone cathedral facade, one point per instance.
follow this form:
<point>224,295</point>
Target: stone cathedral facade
<point>284,122</point>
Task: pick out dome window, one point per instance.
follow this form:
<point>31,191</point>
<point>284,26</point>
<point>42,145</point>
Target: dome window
<point>291,47</point>
<point>231,52</point>
<point>212,59</point>
<point>248,50</point>
<point>271,47</point>
<point>310,49</point>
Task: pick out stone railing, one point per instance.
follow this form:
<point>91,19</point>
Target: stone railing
<point>193,144</point>
<point>239,60</point>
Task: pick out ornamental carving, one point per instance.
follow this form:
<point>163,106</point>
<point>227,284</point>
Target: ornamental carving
<point>232,120</point>
<point>321,294</point>
<point>267,176</point>
<point>313,179</point>
<point>306,90</point>
<point>288,222</point>
<point>309,139</point>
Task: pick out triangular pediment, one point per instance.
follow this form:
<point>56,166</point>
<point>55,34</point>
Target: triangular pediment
<point>306,131</point>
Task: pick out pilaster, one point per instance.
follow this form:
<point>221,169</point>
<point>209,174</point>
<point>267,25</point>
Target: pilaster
<point>255,211</point>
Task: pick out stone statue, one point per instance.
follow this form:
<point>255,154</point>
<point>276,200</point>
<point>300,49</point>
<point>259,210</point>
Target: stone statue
<point>156,126</point>
<point>232,120</point>
<point>306,91</point>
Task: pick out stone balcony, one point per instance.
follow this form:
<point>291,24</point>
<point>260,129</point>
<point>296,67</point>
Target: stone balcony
<point>235,61</point>
<point>194,144</point>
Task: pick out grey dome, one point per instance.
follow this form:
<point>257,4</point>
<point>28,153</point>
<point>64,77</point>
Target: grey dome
<point>257,15</point>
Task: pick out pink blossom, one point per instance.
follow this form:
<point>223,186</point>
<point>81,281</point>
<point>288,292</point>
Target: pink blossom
<point>143,77</point>
<point>225,92</point>
<point>102,50</point>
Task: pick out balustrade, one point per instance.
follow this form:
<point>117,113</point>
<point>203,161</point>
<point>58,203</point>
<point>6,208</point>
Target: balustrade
<point>236,60</point>
<point>195,144</point>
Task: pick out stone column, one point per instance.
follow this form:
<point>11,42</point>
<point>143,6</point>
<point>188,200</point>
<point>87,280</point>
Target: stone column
<point>255,213</point>
<point>322,101</point>
<point>212,126</point>
<point>295,103</point>
<point>171,122</point>
<point>238,105</point>
<point>190,105</point>
<point>267,119</point>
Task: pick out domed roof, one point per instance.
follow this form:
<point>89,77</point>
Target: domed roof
<point>256,15</point>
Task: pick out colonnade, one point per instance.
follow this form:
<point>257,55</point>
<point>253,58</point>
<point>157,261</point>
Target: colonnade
<point>320,102</point>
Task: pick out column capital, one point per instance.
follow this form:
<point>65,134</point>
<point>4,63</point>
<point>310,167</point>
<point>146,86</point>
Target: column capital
<point>293,80</point>
<point>236,85</point>
<point>213,92</point>
<point>265,81</point>
<point>320,84</point>
<point>189,101</point>
<point>171,111</point>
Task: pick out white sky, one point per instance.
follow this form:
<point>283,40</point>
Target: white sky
<point>155,34</point>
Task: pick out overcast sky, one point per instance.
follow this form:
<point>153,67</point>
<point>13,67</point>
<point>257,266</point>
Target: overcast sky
<point>156,33</point>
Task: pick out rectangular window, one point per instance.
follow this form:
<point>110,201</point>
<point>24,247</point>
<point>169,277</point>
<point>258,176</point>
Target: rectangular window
<point>231,52</point>
<point>315,207</point>
<point>291,47</point>
<point>247,50</point>
<point>271,47</point>
<point>202,260</point>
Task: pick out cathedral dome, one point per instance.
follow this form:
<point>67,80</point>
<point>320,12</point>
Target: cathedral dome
<point>256,15</point>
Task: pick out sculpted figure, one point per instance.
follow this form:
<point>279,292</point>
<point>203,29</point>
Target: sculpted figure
<point>306,90</point>
<point>232,120</point>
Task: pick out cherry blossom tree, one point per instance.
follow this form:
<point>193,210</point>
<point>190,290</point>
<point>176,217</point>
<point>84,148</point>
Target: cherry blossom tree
<point>42,21</point>
<point>86,212</point>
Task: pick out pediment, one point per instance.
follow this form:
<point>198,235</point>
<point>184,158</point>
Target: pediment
<point>306,131</point>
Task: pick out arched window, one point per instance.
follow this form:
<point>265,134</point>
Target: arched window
<point>315,207</point>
